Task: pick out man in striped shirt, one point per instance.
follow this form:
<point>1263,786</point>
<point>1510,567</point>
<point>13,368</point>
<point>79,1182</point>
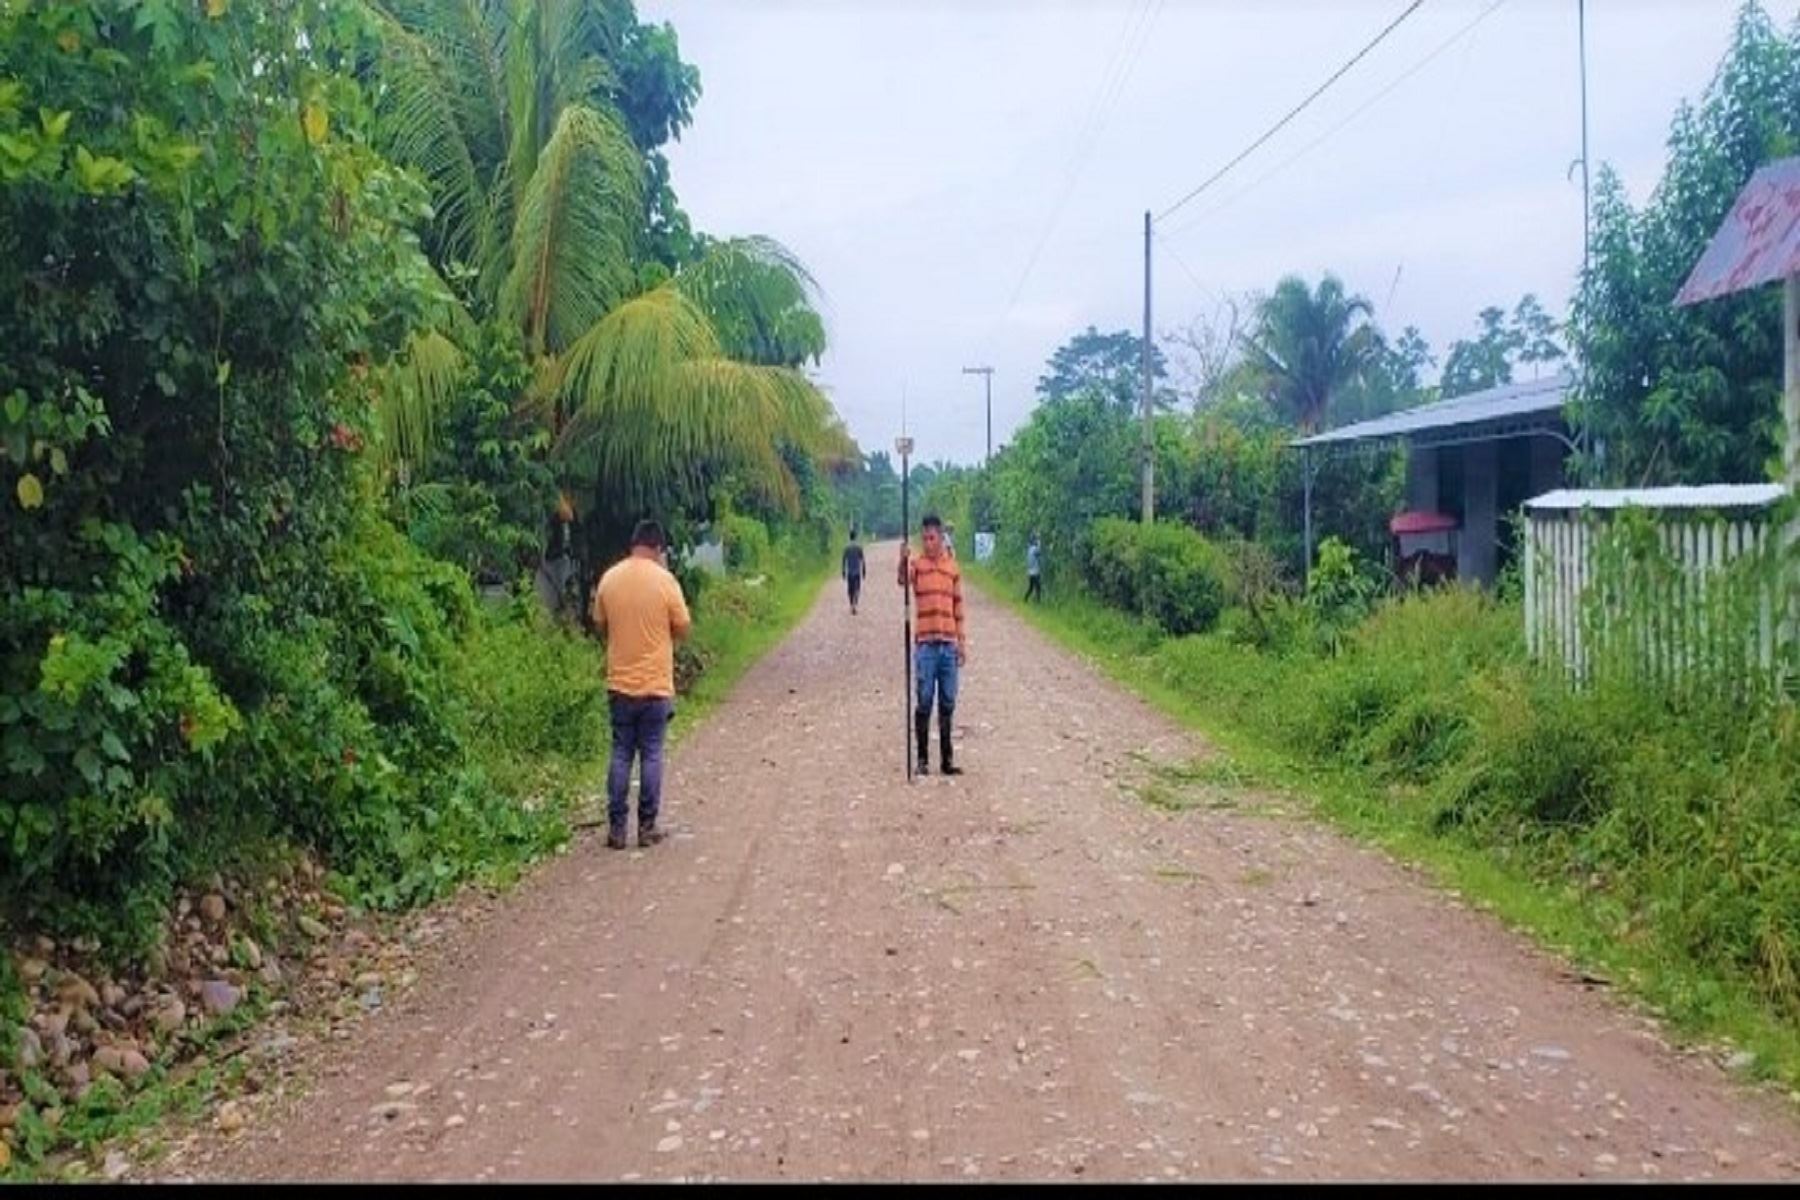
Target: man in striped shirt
<point>939,645</point>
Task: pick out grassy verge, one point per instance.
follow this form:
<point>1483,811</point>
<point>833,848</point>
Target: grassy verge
<point>1590,927</point>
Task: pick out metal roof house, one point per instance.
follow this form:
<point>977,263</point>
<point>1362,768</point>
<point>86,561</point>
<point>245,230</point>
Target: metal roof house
<point>1473,459</point>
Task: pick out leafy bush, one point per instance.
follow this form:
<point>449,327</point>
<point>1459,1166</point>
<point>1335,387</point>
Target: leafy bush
<point>746,542</point>
<point>209,637</point>
<point>1539,756</point>
<point>1262,611</point>
<point>481,496</point>
<point>1166,572</point>
<point>1338,593</point>
<point>532,689</point>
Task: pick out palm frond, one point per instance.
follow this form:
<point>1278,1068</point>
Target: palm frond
<point>650,393</point>
<point>574,235</point>
<point>414,390</point>
<point>760,298</point>
<point>625,364</point>
<point>575,71</point>
<point>431,118</point>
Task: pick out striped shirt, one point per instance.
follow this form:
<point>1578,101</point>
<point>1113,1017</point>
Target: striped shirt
<point>937,593</point>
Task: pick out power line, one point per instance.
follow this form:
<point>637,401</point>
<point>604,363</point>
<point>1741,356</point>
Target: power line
<point>1133,38</point>
<point>1296,110</point>
<point>1332,132</point>
<point>1095,105</point>
<point>1192,274</point>
<point>1111,86</point>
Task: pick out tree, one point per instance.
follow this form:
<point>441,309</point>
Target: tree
<point>1393,381</point>
<point>1238,479</point>
<point>1537,333</point>
<point>655,92</point>
<point>1690,395</point>
<point>652,385</point>
<point>1207,349</point>
<point>1308,345</point>
<point>869,493</point>
<point>203,622</point>
<point>1485,362</point>
<point>1408,358</point>
<point>1109,365</point>
<point>1527,337</point>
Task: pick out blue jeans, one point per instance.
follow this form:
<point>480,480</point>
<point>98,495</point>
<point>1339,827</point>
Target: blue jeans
<point>639,724</point>
<point>934,664</point>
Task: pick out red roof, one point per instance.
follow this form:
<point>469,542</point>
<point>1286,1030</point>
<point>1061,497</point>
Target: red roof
<point>1759,241</point>
<point>1423,522</point>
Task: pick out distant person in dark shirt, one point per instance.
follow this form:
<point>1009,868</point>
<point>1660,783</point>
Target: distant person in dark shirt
<point>854,570</point>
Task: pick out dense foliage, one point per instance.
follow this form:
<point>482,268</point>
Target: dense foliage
<point>1691,395</point>
<point>270,400</point>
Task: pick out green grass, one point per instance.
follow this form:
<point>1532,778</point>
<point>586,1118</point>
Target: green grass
<point>1587,927</point>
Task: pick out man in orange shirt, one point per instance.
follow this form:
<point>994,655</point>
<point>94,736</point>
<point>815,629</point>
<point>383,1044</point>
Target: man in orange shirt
<point>639,608</point>
<point>939,644</point>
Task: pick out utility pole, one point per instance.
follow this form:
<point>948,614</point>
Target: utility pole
<point>1581,434</point>
<point>988,375</point>
<point>1586,228</point>
<point>1149,451</point>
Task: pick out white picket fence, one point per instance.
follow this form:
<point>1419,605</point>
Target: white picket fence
<point>1718,609</point>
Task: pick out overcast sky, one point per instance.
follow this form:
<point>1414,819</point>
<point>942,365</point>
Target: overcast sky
<point>914,153</point>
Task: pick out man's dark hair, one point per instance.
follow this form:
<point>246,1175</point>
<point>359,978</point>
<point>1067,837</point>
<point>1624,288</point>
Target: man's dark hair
<point>931,520</point>
<point>648,534</point>
<point>853,533</point>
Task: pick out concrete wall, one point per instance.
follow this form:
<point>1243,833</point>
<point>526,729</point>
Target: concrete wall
<point>1477,549</point>
<point>1546,465</point>
<point>1422,479</point>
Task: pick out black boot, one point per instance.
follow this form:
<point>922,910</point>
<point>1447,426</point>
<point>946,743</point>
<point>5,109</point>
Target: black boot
<point>945,753</point>
<point>922,727</point>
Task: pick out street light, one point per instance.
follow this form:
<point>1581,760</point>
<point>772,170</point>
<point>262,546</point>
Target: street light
<point>988,374</point>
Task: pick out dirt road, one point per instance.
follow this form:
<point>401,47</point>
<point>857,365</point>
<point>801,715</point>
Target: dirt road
<point>1027,972</point>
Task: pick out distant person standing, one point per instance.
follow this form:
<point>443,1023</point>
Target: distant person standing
<point>1034,571</point>
<point>854,569</point>
<point>639,608</point>
<point>950,540</point>
<point>939,644</point>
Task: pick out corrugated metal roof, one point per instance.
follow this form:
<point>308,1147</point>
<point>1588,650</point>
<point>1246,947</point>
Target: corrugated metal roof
<point>1712,495</point>
<point>1509,402</point>
<point>1759,241</point>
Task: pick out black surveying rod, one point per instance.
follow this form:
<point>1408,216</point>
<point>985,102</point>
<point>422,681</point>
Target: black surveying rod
<point>904,446</point>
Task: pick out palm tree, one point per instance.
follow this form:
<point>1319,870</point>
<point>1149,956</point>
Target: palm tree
<point>540,209</point>
<point>1309,344</point>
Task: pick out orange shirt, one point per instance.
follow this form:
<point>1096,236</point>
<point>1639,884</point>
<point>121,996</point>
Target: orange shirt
<point>640,608</point>
<point>937,595</point>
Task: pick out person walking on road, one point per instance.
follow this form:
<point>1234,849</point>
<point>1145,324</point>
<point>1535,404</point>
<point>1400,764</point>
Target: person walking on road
<point>940,645</point>
<point>639,608</point>
<point>1034,571</point>
<point>854,569</point>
